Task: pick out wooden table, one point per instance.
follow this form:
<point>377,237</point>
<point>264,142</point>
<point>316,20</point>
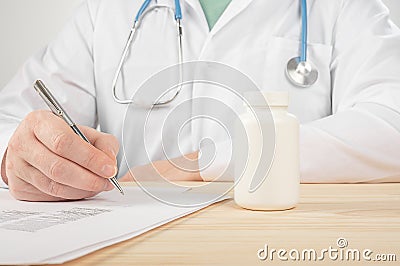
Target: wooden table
<point>366,215</point>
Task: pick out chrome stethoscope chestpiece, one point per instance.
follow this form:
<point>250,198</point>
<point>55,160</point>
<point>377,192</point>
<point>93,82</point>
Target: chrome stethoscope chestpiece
<point>299,70</point>
<point>302,74</point>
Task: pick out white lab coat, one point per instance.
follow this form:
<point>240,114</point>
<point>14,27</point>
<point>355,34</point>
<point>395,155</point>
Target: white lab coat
<point>350,118</point>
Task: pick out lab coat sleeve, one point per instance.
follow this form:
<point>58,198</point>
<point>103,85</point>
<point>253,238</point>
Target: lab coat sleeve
<point>66,66</point>
<point>360,142</point>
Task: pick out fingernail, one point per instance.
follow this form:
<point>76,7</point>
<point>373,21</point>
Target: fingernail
<point>109,170</point>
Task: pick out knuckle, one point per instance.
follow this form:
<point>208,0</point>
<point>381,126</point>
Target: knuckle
<point>114,140</point>
<point>9,166</point>
<point>117,146</point>
<point>32,116</point>
<point>36,120</point>
<point>40,114</point>
<point>14,145</point>
<point>97,184</point>
<point>39,158</point>
<point>35,116</point>
<point>91,159</point>
<point>61,142</point>
<point>37,179</point>
<point>54,189</point>
<point>56,169</point>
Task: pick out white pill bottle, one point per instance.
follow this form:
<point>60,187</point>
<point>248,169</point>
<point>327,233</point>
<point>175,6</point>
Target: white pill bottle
<point>270,179</point>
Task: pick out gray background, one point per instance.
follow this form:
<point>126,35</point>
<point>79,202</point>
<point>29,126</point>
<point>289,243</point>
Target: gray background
<point>27,25</point>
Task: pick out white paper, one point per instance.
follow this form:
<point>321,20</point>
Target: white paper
<point>40,233</point>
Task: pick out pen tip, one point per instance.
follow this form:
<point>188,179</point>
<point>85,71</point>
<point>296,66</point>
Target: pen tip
<point>116,185</point>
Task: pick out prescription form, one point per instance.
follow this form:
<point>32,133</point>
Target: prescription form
<point>52,233</point>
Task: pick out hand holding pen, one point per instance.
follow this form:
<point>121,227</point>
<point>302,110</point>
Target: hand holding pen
<point>47,161</point>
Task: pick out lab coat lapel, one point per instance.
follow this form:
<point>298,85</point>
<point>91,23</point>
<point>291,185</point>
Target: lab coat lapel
<point>195,5</point>
<point>233,9</point>
<point>199,14</point>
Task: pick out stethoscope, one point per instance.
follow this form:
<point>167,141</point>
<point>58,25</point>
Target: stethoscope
<point>299,71</point>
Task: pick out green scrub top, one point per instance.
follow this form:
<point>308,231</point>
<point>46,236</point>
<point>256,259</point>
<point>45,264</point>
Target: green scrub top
<point>213,10</point>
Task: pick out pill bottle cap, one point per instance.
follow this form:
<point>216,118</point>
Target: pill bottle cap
<point>267,98</point>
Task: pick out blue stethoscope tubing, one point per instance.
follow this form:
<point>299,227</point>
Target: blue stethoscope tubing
<point>143,10</point>
<point>146,3</point>
<point>300,71</point>
<point>304,31</point>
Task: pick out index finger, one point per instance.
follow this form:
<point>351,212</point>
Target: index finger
<point>60,139</point>
<point>102,141</point>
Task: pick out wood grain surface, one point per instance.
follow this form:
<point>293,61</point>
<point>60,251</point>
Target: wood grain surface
<point>366,215</point>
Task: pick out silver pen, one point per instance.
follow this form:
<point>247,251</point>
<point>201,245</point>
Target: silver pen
<point>57,109</point>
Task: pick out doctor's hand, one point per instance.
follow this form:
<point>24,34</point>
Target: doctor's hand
<point>167,170</point>
<point>46,161</point>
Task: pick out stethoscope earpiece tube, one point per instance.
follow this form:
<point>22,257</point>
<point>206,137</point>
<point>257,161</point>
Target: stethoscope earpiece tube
<point>178,10</point>
<point>144,9</point>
